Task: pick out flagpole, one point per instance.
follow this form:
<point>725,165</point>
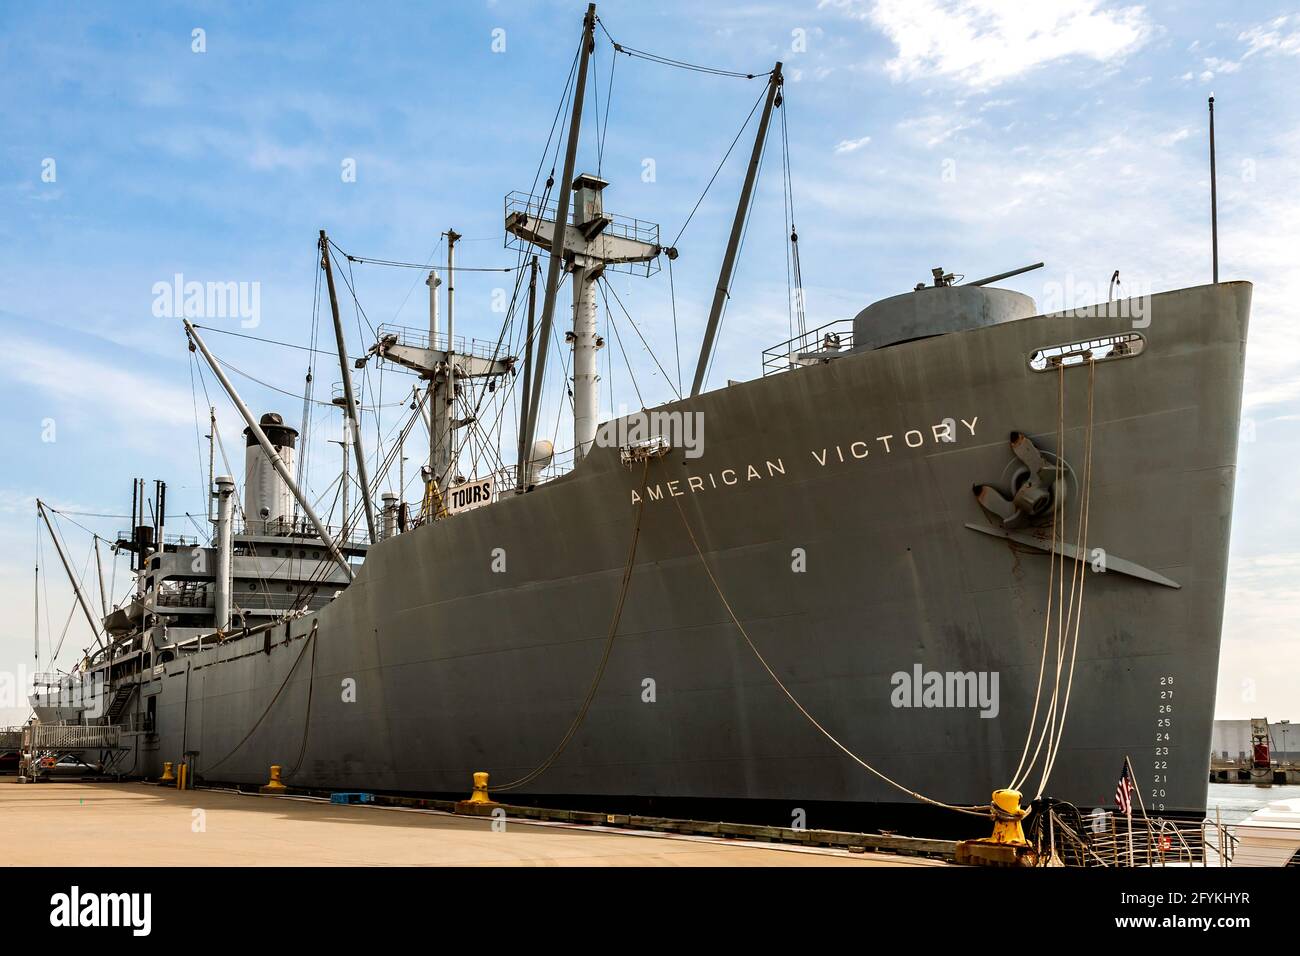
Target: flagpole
<point>1141,803</point>
<point>1128,765</point>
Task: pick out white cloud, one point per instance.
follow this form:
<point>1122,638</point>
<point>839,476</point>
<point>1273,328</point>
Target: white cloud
<point>986,42</point>
<point>1215,66</point>
<point>932,129</point>
<point>1274,37</point>
<point>851,145</point>
<point>82,386</point>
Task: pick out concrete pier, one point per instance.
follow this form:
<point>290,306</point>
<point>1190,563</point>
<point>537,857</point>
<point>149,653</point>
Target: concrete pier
<point>135,824</point>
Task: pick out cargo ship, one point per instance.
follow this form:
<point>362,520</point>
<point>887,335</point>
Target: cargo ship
<point>950,545</point>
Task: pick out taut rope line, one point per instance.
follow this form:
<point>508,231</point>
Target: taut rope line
<point>980,811</point>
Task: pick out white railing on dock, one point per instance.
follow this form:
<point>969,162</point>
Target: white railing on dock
<point>71,737</point>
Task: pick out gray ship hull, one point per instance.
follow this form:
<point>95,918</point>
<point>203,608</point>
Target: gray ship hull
<point>436,663</point>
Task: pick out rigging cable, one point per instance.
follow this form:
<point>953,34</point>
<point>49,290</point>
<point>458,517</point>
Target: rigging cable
<point>609,320</point>
<point>739,133</point>
<point>979,811</point>
<point>801,323</point>
<point>677,346</point>
<point>415,265</point>
<point>740,250</point>
<point>607,285</point>
<point>669,61</point>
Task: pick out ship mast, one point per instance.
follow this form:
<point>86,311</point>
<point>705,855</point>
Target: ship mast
<point>447,477</point>
<point>521,466</point>
<point>722,291</point>
<point>349,396</point>
<point>557,233</point>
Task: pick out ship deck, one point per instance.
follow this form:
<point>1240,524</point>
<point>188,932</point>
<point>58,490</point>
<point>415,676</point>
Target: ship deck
<point>136,824</point>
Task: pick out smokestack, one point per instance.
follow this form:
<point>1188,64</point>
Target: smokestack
<point>390,514</point>
<point>268,500</point>
<point>225,496</point>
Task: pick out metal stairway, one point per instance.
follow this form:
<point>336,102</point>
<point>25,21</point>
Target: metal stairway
<point>118,704</point>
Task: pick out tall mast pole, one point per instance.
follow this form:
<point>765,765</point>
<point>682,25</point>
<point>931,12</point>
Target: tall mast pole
<point>99,567</point>
<point>453,451</point>
<point>561,221</point>
<point>352,422</point>
<point>737,228</point>
<point>67,567</point>
<point>522,469</point>
<point>269,450</point>
<point>1214,200</point>
<point>212,440</point>
<point>432,282</point>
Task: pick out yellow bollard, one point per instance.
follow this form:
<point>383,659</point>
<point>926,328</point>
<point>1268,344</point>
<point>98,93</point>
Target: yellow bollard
<point>167,776</point>
<point>1007,846</point>
<point>273,785</point>
<point>479,799</point>
<point>1006,818</point>
<point>480,794</point>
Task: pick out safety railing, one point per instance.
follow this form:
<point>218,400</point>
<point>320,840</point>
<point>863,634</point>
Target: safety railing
<point>809,348</point>
<point>419,339</point>
<point>71,737</point>
<point>299,528</point>
<point>625,227</point>
<point>1114,841</point>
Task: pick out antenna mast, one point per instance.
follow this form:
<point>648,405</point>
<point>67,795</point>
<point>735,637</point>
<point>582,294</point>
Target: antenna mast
<point>1214,200</point>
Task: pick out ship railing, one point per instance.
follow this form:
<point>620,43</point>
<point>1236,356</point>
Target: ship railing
<point>1135,842</point>
<point>11,738</point>
<point>53,679</point>
<point>301,597</point>
<point>299,528</point>
<point>419,339</point>
<point>809,348</point>
<point>140,722</point>
<point>626,227</point>
<point>179,540</point>
<point>185,593</point>
<point>505,482</point>
<point>71,737</point>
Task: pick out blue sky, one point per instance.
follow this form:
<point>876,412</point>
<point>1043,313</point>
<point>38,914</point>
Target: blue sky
<point>967,134</point>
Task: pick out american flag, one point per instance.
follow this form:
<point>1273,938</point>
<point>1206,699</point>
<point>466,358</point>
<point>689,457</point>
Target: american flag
<point>1124,791</point>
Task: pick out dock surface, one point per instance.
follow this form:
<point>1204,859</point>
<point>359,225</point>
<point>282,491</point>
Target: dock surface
<point>135,824</point>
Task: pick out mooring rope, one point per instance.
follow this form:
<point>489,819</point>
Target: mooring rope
<point>1068,614</point>
<point>977,811</point>
<point>309,640</point>
<point>604,659</point>
<point>1051,572</point>
<point>1085,507</point>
